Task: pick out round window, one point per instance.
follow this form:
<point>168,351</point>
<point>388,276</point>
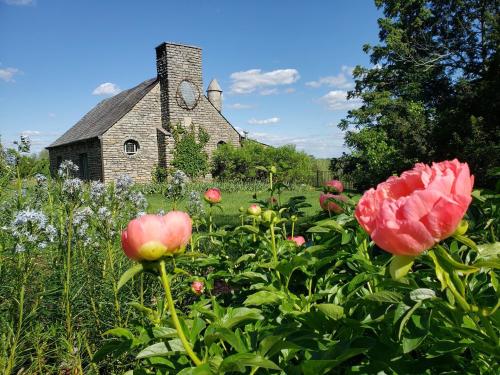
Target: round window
<point>130,147</point>
<point>187,95</point>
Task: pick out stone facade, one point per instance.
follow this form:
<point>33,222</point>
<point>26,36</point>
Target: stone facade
<point>176,63</point>
<point>148,120</point>
<point>75,152</point>
<point>140,125</point>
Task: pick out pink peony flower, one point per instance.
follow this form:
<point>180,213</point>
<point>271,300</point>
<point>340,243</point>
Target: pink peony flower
<point>213,196</point>
<point>409,214</point>
<point>150,237</point>
<point>254,210</point>
<point>325,201</point>
<point>299,240</point>
<point>197,287</point>
<point>334,186</point>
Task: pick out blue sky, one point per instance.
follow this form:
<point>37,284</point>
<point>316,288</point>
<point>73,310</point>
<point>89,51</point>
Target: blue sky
<point>284,66</point>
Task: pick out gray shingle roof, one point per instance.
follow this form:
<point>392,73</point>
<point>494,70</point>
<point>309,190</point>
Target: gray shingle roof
<point>105,114</point>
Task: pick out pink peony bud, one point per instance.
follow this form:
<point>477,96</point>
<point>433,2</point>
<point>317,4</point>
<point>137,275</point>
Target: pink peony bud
<point>150,237</point>
<point>326,203</point>
<point>299,240</point>
<point>409,214</point>
<point>197,287</point>
<point>213,196</point>
<point>334,186</point>
<point>254,210</point>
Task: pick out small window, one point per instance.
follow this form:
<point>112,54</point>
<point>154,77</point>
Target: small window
<point>220,143</point>
<point>131,147</point>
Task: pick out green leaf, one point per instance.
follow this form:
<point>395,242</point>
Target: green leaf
<point>410,344</point>
<point>203,369</point>
<point>400,266</point>
<point>120,332</point>
<point>422,294</point>
<point>238,362</point>
<point>263,297</point>
<point>446,258</point>
<point>406,317</point>
<point>465,240</point>
<point>489,250</point>
<point>129,274</point>
<point>234,317</point>
<point>331,310</point>
<point>164,332</point>
<point>384,296</point>
<point>162,349</point>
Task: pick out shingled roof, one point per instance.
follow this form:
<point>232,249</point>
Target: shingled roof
<point>105,114</point>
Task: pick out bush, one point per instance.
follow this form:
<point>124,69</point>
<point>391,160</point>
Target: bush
<point>239,163</point>
<point>189,155</point>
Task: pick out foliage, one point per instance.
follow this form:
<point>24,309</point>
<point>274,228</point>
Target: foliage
<point>189,155</point>
<point>269,306</point>
<point>432,93</point>
<point>240,163</point>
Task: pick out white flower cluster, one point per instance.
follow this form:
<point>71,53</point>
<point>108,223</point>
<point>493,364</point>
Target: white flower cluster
<point>67,169</point>
<point>195,206</point>
<point>31,228</point>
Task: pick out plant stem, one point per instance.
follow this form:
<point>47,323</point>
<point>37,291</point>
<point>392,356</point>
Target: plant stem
<point>68,274</point>
<point>12,357</point>
<point>273,242</point>
<point>175,319</point>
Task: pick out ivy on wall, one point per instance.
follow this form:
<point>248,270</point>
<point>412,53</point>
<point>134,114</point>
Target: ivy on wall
<point>189,154</point>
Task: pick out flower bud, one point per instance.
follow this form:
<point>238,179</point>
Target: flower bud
<point>254,210</point>
<point>334,186</point>
<point>299,240</point>
<point>212,196</point>
<point>197,287</point>
<point>272,169</point>
<point>151,237</point>
<point>268,215</point>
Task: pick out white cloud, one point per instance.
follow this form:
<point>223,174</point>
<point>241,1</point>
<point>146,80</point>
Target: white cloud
<point>30,133</point>
<point>106,88</point>
<point>19,2</point>
<point>7,74</point>
<point>336,100</point>
<point>267,92</point>
<point>272,120</point>
<point>240,106</point>
<point>290,90</point>
<point>343,80</point>
<point>254,79</point>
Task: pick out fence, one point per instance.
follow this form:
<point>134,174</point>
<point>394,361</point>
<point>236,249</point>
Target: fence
<point>320,177</point>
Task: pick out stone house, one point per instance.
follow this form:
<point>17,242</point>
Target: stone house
<point>129,133</point>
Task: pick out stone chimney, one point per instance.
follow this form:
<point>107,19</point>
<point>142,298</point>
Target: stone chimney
<point>179,69</point>
<point>214,94</point>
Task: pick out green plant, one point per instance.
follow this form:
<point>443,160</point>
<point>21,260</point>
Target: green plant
<point>189,154</point>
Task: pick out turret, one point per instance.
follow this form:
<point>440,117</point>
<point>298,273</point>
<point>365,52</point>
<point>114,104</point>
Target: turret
<point>214,94</point>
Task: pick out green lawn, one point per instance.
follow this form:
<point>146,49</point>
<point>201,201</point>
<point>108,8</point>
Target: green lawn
<point>231,202</point>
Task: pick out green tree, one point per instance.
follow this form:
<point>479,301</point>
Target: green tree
<point>432,93</point>
<point>189,154</point>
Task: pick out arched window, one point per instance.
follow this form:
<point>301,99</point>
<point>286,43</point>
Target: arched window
<point>130,147</point>
<point>220,143</point>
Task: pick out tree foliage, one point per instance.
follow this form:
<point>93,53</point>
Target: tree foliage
<point>432,93</point>
<point>239,163</point>
<point>189,154</point>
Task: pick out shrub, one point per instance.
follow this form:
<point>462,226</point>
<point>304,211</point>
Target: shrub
<point>189,155</point>
<point>239,163</point>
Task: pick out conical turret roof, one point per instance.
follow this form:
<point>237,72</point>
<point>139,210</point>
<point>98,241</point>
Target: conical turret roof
<point>214,86</point>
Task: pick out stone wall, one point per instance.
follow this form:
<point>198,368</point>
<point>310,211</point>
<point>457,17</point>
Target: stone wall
<point>176,63</point>
<point>72,151</point>
<point>140,124</point>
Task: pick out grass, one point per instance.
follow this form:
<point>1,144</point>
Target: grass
<point>232,201</point>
